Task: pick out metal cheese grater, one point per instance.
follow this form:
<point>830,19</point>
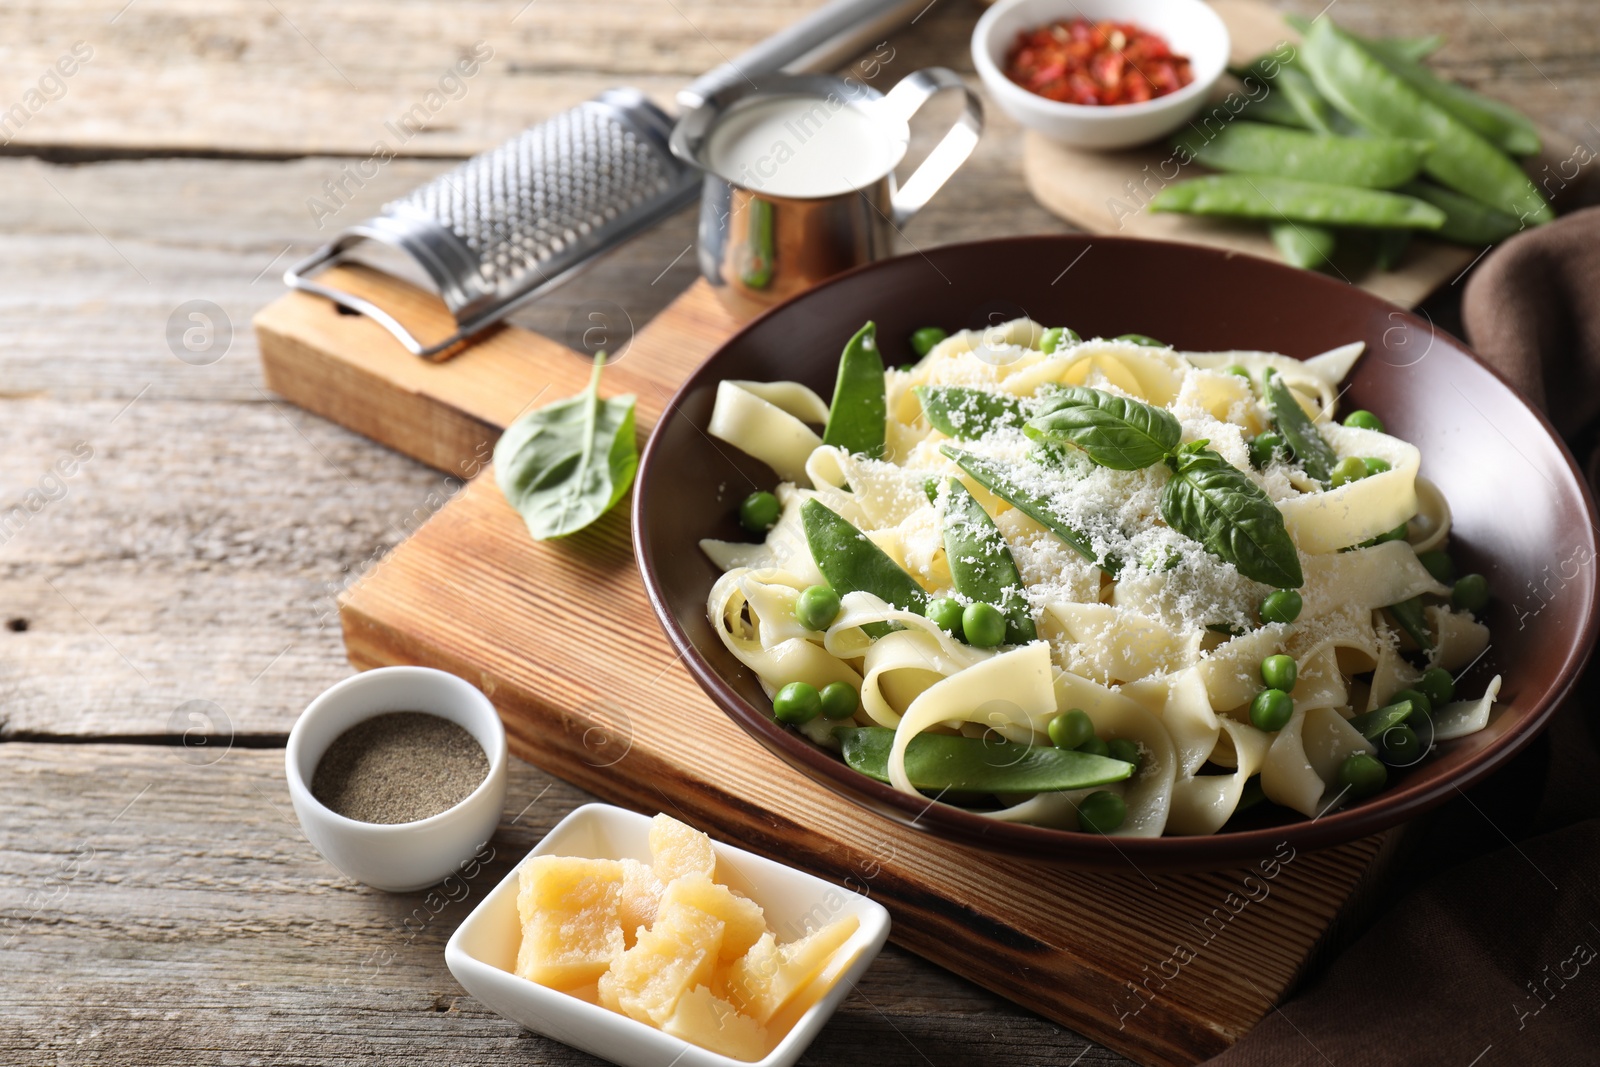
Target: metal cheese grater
<point>513,222</point>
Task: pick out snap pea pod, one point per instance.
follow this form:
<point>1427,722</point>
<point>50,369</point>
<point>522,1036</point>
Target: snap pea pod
<point>1390,246</point>
<point>1256,148</point>
<point>856,418</point>
<point>1301,94</point>
<point>1465,219</point>
<point>981,564</point>
<point>1271,107</point>
<point>978,764</point>
<point>1374,724</point>
<point>993,477</point>
<point>1408,613</point>
<point>1285,199</point>
<point>1314,453</point>
<point>1303,244</point>
<point>1359,84</point>
<point>1499,123</point>
<point>967,414</point>
<point>1411,47</point>
<point>852,563</point>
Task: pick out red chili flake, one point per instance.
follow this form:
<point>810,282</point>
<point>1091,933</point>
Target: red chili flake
<point>1083,62</point>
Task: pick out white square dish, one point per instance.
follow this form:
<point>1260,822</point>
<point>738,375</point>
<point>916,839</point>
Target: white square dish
<point>482,952</point>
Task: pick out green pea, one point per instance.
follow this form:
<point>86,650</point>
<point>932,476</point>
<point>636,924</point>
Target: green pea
<point>1095,747</point>
<point>1399,533</point>
<point>1071,729</point>
<point>839,700</point>
<point>1141,339</point>
<point>1439,564</point>
<point>1101,812</point>
<point>1471,593</point>
<point>983,625</point>
<point>1437,685</point>
<point>1349,469</point>
<point>797,703</point>
<point>1234,368</point>
<point>945,613</point>
<point>1271,710</point>
<point>1281,605</point>
<point>1375,465</point>
<point>1399,746</point>
<point>1362,775</point>
<point>1123,749</point>
<point>1420,702</point>
<point>816,607</point>
<point>923,340</point>
<point>1264,447</point>
<point>1055,337</point>
<point>1280,672</point>
<point>759,512</point>
<point>1364,420</point>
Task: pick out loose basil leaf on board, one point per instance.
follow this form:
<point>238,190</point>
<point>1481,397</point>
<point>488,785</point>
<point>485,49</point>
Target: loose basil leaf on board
<point>978,764</point>
<point>1114,431</point>
<point>857,416</point>
<point>981,565</point>
<point>566,464</point>
<point>967,414</point>
<point>993,477</point>
<point>1218,505</point>
<point>1313,452</point>
<point>1408,613</point>
<point>851,562</point>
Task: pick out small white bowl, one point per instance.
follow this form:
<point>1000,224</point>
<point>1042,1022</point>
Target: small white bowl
<point>482,953</point>
<point>1190,27</point>
<point>397,857</point>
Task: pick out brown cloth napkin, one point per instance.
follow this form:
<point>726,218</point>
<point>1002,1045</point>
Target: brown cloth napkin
<point>1489,953</point>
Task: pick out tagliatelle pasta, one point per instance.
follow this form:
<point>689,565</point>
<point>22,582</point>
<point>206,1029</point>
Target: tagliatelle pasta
<point>1044,527</point>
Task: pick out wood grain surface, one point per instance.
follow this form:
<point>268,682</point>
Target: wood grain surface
<point>196,556</point>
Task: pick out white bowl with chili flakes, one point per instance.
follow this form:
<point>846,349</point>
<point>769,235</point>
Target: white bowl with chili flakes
<point>1126,71</point>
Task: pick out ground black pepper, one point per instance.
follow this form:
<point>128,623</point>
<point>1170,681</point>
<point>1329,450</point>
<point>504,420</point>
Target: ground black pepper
<point>400,766</point>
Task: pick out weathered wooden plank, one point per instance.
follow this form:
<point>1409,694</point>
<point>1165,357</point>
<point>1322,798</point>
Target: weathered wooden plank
<point>155,909</point>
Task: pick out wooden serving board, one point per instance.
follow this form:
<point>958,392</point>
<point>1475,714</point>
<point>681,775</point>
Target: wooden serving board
<point>1166,969</point>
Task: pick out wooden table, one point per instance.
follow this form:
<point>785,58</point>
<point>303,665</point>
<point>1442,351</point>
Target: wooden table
<point>159,902</point>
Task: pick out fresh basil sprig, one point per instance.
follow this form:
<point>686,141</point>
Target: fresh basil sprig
<point>566,464</point>
<point>1114,431</point>
<point>1215,503</point>
<point>1305,440</point>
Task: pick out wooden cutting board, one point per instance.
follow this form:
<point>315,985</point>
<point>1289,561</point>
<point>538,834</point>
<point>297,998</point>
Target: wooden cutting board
<point>1166,969</point>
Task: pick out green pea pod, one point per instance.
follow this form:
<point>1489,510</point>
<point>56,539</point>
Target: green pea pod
<point>993,477</point>
<point>1411,47</point>
<point>1465,219</point>
<point>852,563</point>
<point>967,414</point>
<point>1374,724</point>
<point>1408,613</point>
<point>1359,84</point>
<point>1502,125</point>
<point>1391,245</point>
<point>1273,108</point>
<point>1302,244</point>
<point>981,564</point>
<point>1288,200</point>
<point>1313,452</point>
<point>1301,94</point>
<point>937,762</point>
<point>1255,148</point>
<point>856,419</point>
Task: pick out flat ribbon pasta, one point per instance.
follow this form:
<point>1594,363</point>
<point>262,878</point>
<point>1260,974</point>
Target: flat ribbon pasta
<point>766,420</point>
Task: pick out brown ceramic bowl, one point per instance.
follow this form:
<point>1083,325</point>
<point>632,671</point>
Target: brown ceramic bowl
<point>1523,516</point>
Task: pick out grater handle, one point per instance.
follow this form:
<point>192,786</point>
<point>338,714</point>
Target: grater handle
<point>838,29</point>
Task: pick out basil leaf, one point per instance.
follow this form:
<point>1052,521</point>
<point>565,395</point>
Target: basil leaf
<point>981,565</point>
<point>967,414</point>
<point>1116,432</point>
<point>1219,506</point>
<point>993,477</point>
<point>1305,440</point>
<point>851,562</point>
<point>978,764</point>
<point>857,417</point>
<point>566,464</point>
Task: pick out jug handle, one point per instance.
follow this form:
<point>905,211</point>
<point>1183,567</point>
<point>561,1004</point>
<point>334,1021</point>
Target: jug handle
<point>904,101</point>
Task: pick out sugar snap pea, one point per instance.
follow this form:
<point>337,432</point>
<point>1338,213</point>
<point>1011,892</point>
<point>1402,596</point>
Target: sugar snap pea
<point>856,419</point>
<point>1359,84</point>
<point>981,564</point>
<point>1414,47</point>
<point>978,764</point>
<point>1391,245</point>
<point>1269,106</point>
<point>1313,452</point>
<point>993,477</point>
<point>852,563</point>
<point>1285,199</point>
<point>1502,125</point>
<point>1375,723</point>
<point>1256,148</point>
<point>1408,613</point>
<point>967,414</point>
<point>1304,244</point>
<point>1465,219</point>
